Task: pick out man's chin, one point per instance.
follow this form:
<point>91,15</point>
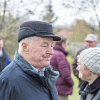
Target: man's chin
<point>44,65</point>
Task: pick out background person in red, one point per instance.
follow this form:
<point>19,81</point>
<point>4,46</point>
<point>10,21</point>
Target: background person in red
<point>59,62</point>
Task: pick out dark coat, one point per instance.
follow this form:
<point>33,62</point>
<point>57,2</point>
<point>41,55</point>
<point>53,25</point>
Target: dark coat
<point>4,60</point>
<point>91,92</point>
<point>59,62</point>
<point>74,66</point>
<point>18,81</point>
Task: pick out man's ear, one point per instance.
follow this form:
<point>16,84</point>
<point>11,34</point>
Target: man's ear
<point>25,47</point>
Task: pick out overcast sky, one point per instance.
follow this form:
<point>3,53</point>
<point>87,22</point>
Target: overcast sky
<point>65,16</point>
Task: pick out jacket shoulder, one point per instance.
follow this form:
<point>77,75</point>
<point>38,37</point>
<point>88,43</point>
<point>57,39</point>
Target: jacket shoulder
<point>10,71</point>
<point>58,53</point>
<point>80,50</point>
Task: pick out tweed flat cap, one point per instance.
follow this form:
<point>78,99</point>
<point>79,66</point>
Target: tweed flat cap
<point>36,28</point>
<point>91,59</point>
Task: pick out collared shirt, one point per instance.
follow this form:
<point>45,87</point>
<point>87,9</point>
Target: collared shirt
<point>41,72</point>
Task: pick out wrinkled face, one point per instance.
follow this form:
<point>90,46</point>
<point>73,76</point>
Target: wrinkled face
<point>84,73</point>
<point>40,52</point>
<point>1,44</point>
<point>90,44</point>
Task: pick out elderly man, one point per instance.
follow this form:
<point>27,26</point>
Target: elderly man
<point>4,59</point>
<point>90,41</point>
<point>30,76</point>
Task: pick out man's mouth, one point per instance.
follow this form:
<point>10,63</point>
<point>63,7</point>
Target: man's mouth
<point>47,58</point>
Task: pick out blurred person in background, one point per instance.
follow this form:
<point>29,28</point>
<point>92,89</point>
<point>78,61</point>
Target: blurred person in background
<point>59,62</point>
<point>4,59</point>
<point>89,71</point>
<point>90,41</point>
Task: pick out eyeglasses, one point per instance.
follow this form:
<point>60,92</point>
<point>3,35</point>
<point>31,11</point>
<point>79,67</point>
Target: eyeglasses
<point>80,63</point>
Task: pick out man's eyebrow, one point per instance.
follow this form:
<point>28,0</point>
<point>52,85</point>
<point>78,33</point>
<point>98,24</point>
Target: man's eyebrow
<point>45,42</point>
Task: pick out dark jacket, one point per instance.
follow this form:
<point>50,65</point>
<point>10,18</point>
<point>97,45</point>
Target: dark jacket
<point>91,92</point>
<point>74,66</point>
<point>59,62</point>
<point>18,81</point>
<point>4,60</point>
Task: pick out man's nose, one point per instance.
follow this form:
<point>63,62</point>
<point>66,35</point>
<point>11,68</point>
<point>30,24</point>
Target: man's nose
<point>50,50</point>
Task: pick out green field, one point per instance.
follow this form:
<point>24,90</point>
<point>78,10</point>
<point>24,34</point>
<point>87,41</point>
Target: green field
<point>75,95</point>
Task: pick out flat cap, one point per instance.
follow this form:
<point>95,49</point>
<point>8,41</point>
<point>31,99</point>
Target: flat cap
<point>36,28</point>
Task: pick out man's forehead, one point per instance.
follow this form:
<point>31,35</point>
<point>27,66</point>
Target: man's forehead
<point>46,40</point>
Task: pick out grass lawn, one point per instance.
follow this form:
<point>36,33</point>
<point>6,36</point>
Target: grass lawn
<point>75,95</point>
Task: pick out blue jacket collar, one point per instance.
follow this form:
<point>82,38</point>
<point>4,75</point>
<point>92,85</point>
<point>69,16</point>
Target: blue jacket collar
<point>24,64</point>
<point>21,61</point>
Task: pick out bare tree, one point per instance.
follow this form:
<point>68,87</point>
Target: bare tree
<point>18,8</point>
<point>12,14</point>
<point>85,6</point>
<point>49,15</point>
